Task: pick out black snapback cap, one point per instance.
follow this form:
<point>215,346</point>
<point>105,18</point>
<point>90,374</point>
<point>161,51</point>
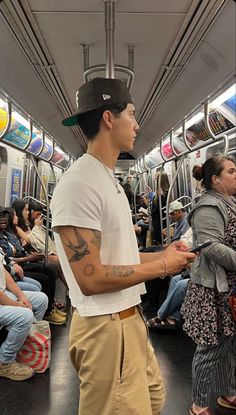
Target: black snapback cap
<point>97,93</point>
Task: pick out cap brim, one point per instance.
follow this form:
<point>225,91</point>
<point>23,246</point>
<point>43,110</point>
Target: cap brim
<point>70,121</point>
<point>74,119</point>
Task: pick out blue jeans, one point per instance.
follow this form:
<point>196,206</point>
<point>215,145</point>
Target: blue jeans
<point>28,284</point>
<point>18,321</point>
<point>175,296</point>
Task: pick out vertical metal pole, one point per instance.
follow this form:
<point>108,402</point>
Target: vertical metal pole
<point>131,57</point>
<point>110,30</point>
<point>168,199</point>
<point>135,194</point>
<point>27,176</point>
<point>86,55</point>
<point>53,175</point>
<point>160,201</point>
<point>47,206</point>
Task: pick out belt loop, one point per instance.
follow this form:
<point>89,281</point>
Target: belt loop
<point>114,316</point>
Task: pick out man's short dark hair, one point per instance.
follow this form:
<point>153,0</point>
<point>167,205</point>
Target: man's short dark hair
<point>89,122</point>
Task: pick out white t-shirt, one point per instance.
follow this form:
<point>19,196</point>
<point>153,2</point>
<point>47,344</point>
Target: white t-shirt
<point>87,197</point>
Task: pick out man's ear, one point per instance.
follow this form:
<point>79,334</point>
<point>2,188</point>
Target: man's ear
<point>108,118</point>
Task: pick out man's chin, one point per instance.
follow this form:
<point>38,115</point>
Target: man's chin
<point>127,148</point>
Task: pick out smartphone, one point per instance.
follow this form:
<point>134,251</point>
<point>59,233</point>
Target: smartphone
<point>199,247</point>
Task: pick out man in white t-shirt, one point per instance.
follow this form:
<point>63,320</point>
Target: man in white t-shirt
<point>104,270</point>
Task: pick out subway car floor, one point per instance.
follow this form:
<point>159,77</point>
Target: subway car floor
<point>56,392</point>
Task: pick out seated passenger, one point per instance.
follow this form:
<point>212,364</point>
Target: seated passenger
<point>179,216</point>
<point>17,273</point>
<point>169,313</point>
<point>18,310</point>
<point>165,299</point>
<point>32,264</point>
<point>30,226</point>
<point>32,234</point>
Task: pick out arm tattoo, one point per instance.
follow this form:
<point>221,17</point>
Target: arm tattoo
<point>118,271</point>
<point>80,250</point>
<point>96,239</point>
<point>88,270</point>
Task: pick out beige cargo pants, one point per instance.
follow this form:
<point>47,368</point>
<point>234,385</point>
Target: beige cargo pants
<point>116,365</point>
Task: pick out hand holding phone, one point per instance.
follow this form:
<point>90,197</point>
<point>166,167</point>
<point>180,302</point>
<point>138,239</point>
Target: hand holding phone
<point>199,247</point>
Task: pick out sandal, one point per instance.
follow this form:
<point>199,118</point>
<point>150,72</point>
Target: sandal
<point>205,412</point>
<point>225,403</point>
<point>155,322</point>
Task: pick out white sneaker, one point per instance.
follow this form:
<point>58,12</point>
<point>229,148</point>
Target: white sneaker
<point>16,371</point>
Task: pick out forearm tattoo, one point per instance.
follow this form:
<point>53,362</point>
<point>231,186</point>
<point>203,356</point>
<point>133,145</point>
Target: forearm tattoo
<point>80,249</point>
<point>96,239</point>
<point>88,270</point>
<point>118,271</point>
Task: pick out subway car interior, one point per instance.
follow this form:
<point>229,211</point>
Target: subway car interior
<point>177,58</point>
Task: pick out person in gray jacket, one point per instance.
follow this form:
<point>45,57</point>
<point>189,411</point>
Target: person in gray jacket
<point>208,318</point>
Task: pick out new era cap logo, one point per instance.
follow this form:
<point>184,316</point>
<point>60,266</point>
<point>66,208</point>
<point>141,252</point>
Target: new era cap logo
<point>105,96</point>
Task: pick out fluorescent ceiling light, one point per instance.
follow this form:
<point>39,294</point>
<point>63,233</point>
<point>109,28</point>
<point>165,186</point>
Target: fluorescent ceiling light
<point>59,150</point>
<point>197,117</point>
<point>2,103</point>
<point>48,139</point>
<point>20,119</point>
<point>223,97</point>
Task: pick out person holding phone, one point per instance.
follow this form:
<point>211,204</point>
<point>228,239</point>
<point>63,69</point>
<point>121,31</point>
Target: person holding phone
<point>208,318</point>
<point>99,255</point>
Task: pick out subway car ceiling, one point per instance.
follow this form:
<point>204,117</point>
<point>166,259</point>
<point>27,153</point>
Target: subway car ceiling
<point>184,52</point>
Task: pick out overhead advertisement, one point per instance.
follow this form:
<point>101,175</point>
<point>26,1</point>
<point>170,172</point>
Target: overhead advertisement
<point>35,145</point>
<point>57,157</point>
<point>47,151</point>
<point>198,131</point>
<point>19,135</point>
<point>64,163</point>
<point>231,103</point>
<point>15,184</point>
<point>3,120</point>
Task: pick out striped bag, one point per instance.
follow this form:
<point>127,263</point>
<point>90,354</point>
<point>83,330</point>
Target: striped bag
<point>36,350</point>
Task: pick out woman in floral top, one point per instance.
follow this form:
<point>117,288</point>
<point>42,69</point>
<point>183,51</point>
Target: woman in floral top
<point>206,310</point>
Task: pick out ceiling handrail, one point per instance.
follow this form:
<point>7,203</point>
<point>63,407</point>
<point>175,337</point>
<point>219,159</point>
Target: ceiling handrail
<point>100,67</point>
<point>172,145</point>
<point>185,138</point>
<point>209,129</point>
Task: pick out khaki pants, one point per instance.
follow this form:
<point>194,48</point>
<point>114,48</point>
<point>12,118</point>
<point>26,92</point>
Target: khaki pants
<point>116,365</point>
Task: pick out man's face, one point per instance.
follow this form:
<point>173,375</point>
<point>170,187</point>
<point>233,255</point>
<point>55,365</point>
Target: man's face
<point>3,222</point>
<point>176,215</point>
<point>124,129</point>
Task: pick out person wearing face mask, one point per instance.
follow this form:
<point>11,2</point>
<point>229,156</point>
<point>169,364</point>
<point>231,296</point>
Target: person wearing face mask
<point>208,317</point>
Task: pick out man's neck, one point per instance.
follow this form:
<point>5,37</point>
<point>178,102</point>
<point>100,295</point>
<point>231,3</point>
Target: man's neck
<point>106,155</point>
